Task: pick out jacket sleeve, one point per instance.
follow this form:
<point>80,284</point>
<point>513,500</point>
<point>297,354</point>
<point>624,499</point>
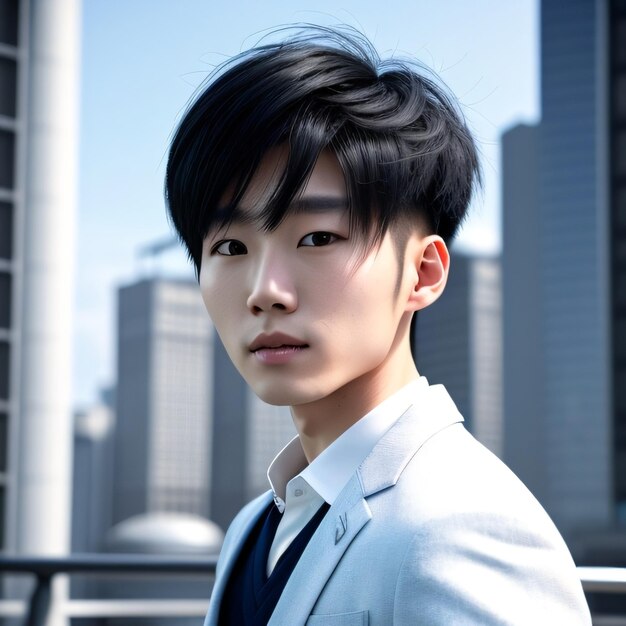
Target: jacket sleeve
<point>488,569</point>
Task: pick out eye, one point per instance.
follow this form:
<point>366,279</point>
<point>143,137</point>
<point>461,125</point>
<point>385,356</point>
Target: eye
<point>317,239</point>
<point>230,247</point>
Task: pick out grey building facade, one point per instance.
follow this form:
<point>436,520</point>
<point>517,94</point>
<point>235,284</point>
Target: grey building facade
<point>92,488</point>
<point>523,378</point>
<point>12,66</point>
<point>564,201</point>
<point>458,344</point>
<point>270,429</point>
<point>164,397</point>
<point>617,229</point>
<point>573,252</point>
<point>39,53</point>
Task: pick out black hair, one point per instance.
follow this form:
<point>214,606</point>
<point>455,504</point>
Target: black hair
<point>400,139</point>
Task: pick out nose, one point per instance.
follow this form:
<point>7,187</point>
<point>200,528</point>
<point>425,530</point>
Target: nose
<point>273,287</point>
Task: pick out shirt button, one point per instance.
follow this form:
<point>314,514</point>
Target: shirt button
<point>298,493</point>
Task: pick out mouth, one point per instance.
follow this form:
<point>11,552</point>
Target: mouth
<point>276,348</point>
<point>276,342</point>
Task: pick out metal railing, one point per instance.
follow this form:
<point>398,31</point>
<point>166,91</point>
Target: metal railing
<point>45,568</point>
<point>594,580</point>
<point>603,579</point>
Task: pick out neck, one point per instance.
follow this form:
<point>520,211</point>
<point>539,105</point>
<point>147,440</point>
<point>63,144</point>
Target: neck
<point>319,423</point>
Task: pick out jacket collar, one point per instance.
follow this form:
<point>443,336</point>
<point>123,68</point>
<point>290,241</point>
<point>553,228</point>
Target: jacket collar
<point>385,464</point>
<point>350,513</point>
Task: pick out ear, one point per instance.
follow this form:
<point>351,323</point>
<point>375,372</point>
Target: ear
<point>432,263</point>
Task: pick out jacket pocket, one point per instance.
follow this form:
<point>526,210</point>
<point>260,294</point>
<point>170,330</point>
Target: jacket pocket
<point>358,618</point>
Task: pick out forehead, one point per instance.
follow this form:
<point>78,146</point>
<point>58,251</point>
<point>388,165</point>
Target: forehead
<point>324,190</point>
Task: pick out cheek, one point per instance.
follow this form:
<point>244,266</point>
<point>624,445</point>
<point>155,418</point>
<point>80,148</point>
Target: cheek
<point>360,315</point>
<point>218,298</point>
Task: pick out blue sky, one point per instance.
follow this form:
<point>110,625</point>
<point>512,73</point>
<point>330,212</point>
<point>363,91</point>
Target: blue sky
<point>142,61</point>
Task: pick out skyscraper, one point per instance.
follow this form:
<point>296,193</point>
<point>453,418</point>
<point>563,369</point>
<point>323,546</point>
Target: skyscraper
<point>565,264</point>
<point>459,344</point>
<point>164,400</point>
<point>617,229</point>
<point>39,53</point>
<point>270,429</point>
<point>9,54</point>
<point>575,276</point>
<point>523,387</point>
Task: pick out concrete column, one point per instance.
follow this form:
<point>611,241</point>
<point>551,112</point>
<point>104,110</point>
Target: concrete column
<point>45,420</point>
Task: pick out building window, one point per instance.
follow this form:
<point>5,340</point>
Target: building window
<point>4,431</point>
<point>8,86</point>
<point>5,300</point>
<point>620,97</point>
<point>620,470</point>
<point>3,495</point>
<point>620,207</point>
<point>7,158</point>
<point>8,21</point>
<point>6,229</point>
<point>4,370</point>
<point>620,42</point>
<point>620,153</point>
<point>617,133</point>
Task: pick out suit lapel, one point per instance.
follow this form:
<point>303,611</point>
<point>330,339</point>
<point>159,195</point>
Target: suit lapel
<point>340,526</point>
<point>229,557</point>
<point>433,411</point>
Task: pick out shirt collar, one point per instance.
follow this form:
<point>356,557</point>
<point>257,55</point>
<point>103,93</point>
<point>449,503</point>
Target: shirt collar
<point>329,472</point>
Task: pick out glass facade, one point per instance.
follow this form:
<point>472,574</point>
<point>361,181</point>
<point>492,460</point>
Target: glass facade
<point>617,120</point>
<point>4,374</point>
<point>5,300</point>
<point>7,159</point>
<point>9,10</point>
<point>6,231</point>
<point>9,69</point>
<point>574,298</point>
<point>8,86</point>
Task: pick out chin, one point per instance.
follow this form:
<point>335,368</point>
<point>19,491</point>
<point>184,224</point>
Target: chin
<point>285,394</point>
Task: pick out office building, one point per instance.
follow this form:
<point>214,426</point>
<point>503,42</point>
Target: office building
<point>93,477</point>
<point>564,207</point>
<point>270,430</point>
<point>523,380</point>
<point>459,344</point>
<point>575,276</point>
<point>617,245</point>
<point>39,53</point>
<point>92,487</point>
<point>164,397</point>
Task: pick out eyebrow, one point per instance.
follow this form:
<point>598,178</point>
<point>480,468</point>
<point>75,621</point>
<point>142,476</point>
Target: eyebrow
<point>310,204</point>
<point>318,204</point>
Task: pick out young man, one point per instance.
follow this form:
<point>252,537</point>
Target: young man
<point>316,190</point>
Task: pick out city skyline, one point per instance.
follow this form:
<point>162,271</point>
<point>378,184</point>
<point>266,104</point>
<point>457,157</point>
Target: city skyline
<point>535,336</point>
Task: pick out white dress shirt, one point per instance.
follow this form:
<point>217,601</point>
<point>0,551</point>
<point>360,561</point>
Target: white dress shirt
<point>301,488</point>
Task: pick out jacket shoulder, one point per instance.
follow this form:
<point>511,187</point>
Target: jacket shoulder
<point>483,550</point>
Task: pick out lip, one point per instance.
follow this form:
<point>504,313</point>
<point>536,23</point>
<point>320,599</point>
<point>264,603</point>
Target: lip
<point>271,341</point>
<point>278,356</point>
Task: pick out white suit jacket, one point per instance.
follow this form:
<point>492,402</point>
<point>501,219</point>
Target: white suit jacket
<point>432,529</point>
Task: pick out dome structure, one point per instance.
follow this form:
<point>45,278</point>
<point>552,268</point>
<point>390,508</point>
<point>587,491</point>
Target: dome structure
<point>165,533</point>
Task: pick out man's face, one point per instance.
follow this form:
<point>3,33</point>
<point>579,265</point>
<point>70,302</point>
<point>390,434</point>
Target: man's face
<point>301,312</point>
